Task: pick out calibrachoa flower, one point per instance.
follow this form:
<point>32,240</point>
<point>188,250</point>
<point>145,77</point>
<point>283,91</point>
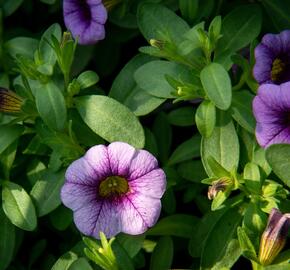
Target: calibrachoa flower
<point>85,19</point>
<point>274,236</point>
<point>271,109</point>
<point>273,59</point>
<point>114,188</point>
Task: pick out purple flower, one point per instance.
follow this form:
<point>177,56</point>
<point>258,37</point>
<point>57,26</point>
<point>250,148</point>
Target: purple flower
<point>85,19</point>
<point>274,236</point>
<point>271,109</point>
<point>114,188</point>
<point>273,59</point>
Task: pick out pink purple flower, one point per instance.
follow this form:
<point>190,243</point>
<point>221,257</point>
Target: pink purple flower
<point>274,236</point>
<point>271,109</point>
<point>114,188</point>
<point>273,59</point>
<point>85,19</point>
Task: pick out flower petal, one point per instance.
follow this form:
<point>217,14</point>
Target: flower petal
<point>143,163</point>
<point>152,184</point>
<point>96,217</point>
<point>120,156</point>
<point>80,172</point>
<point>97,157</point>
<point>75,196</point>
<point>138,212</point>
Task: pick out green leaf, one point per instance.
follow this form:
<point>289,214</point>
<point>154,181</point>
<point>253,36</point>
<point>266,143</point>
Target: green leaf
<point>21,45</point>
<point>163,134</point>
<point>61,218</point>
<point>220,248</point>
<point>182,117</point>
<point>151,77</point>
<point>46,192</point>
<point>111,120</point>
<point>162,256</point>
<point>205,118</point>
<point>7,158</point>
<point>279,13</point>
<point>18,206</point>
<point>7,241</point>
<point>192,170</point>
<point>158,22</point>
<point>223,145</point>
<point>246,245</point>
<point>65,261</point>
<point>87,78</point>
<point>124,262</point>
<point>131,243</point>
<point>217,85</point>
<point>80,264</point>
<point>8,135</point>
<point>180,225</point>
<point>47,53</point>
<point>278,156</point>
<point>241,26</point>
<point>242,110</point>
<point>10,6</point>
<point>125,89</point>
<point>219,171</point>
<point>186,150</point>
<point>51,106</point>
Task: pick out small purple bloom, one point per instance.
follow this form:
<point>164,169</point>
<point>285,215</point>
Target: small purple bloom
<point>85,19</point>
<point>114,188</point>
<point>271,109</point>
<point>274,236</point>
<point>273,59</point>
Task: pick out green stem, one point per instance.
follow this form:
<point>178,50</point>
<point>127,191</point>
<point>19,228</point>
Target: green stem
<point>256,266</point>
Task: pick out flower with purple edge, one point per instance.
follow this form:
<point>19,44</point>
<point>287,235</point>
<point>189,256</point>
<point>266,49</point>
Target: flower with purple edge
<point>274,237</point>
<point>114,188</point>
<point>85,19</point>
<point>273,59</point>
<point>271,108</point>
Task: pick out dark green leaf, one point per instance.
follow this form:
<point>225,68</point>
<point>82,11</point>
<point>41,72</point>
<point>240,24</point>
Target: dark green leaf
<point>111,120</point>
<point>8,135</point>
<point>217,85</point>
<point>182,117</point>
<point>162,256</point>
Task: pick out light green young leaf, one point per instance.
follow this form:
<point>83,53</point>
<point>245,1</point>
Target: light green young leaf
<point>205,118</point>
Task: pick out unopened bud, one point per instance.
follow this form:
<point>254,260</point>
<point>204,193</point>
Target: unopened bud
<point>274,237</point>
<point>157,43</point>
<point>217,186</point>
<point>10,102</point>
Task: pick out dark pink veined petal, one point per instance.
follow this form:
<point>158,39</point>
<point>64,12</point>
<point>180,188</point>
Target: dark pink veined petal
<point>138,213</point>
<point>97,157</point>
<point>152,184</point>
<point>96,217</point>
<point>120,156</point>
<point>143,163</point>
<point>75,196</point>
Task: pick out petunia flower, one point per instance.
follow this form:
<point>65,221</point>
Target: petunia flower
<point>114,188</point>
<point>271,109</point>
<point>85,19</point>
<point>274,237</point>
<point>273,59</point>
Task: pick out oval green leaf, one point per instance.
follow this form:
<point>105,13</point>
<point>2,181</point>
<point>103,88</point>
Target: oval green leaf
<point>222,145</point>
<point>51,105</point>
<point>205,118</point>
<point>217,85</point>
<point>278,156</point>
<point>18,206</point>
<point>111,120</point>
<point>151,77</point>
<point>8,135</point>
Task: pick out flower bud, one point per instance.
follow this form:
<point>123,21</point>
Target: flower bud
<point>217,186</point>
<point>9,101</point>
<point>274,237</point>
